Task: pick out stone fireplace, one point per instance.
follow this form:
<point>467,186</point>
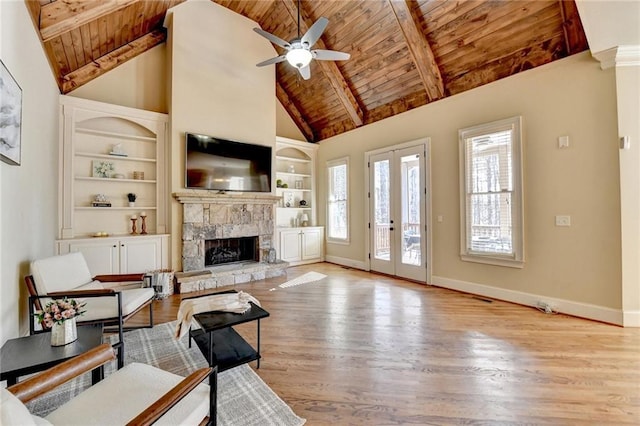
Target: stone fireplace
<point>226,239</point>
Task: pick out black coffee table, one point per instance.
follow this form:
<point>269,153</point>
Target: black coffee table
<point>30,354</point>
<point>220,344</point>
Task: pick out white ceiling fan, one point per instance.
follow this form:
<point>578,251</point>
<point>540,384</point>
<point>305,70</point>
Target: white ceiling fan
<point>299,53</point>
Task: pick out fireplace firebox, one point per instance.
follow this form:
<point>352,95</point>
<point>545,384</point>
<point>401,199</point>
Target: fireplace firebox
<point>231,250</point>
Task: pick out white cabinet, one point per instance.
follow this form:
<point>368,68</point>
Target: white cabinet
<point>121,255</point>
<point>301,245</point>
<point>112,151</point>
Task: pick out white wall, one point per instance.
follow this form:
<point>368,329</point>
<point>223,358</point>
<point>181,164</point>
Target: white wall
<point>138,83</point>
<point>571,97</point>
<point>613,31</point>
<point>610,23</point>
<point>28,193</point>
<point>215,87</point>
<point>285,126</point>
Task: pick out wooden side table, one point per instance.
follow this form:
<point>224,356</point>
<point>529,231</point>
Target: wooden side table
<point>30,354</point>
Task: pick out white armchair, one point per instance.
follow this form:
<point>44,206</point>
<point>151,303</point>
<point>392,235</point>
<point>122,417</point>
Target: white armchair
<point>68,276</point>
<point>138,394</point>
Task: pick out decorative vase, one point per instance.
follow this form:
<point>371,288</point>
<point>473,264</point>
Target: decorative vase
<point>65,333</point>
<point>132,204</point>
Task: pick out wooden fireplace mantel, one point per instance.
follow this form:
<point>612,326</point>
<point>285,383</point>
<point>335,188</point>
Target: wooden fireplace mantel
<point>207,197</point>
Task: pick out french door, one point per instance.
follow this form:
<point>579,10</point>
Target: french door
<point>397,212</point>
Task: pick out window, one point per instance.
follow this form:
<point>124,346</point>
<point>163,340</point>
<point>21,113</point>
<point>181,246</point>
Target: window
<point>337,202</point>
<point>491,224</point>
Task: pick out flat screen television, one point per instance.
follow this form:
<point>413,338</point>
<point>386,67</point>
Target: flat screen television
<point>224,165</point>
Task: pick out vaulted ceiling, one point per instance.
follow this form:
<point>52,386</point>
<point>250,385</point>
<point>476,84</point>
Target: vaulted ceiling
<point>404,53</point>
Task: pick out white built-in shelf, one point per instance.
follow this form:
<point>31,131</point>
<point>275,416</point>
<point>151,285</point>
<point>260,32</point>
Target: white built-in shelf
<point>136,208</point>
<point>296,208</point>
<point>293,174</point>
<point>278,190</point>
<point>113,180</point>
<point>293,159</point>
<point>115,157</point>
<point>115,135</point>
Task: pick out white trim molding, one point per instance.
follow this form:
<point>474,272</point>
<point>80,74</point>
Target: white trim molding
<point>569,307</point>
<point>343,261</point>
<point>619,56</point>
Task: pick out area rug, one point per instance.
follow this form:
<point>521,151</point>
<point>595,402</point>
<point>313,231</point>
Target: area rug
<point>309,277</point>
<point>243,398</point>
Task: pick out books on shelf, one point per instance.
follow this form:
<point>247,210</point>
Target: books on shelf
<point>101,204</point>
<point>118,154</point>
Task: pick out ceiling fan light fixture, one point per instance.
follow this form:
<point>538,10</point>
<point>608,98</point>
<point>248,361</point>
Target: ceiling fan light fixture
<point>299,57</point>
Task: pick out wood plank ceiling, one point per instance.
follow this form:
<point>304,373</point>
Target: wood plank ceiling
<point>404,53</point>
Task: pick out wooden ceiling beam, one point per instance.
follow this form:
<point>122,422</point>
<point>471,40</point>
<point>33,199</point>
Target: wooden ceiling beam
<point>575,39</point>
<point>294,112</point>
<point>330,69</point>
<point>420,50</point>
<point>60,17</point>
<point>93,69</point>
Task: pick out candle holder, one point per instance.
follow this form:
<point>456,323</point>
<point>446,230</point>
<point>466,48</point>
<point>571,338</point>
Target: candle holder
<point>134,230</point>
<point>144,225</point>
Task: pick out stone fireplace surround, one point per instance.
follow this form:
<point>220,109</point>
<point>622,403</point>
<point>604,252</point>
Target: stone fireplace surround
<point>209,216</point>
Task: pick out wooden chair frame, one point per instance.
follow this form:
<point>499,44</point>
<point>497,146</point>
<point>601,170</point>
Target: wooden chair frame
<point>48,380</point>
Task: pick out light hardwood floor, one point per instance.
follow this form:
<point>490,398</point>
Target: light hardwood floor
<point>362,349</point>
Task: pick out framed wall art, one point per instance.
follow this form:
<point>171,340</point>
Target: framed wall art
<point>10,117</point>
<point>102,169</point>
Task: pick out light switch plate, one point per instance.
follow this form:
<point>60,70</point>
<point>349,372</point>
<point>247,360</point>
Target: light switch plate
<point>563,142</point>
<point>563,220</point>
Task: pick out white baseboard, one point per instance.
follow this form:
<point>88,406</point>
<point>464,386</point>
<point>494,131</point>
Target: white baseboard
<point>343,261</point>
<point>631,318</point>
<point>582,310</point>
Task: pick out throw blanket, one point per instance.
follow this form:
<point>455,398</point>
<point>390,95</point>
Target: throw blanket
<point>237,303</point>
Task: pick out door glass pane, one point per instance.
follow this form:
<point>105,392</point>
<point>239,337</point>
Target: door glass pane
<point>410,204</point>
<point>381,212</point>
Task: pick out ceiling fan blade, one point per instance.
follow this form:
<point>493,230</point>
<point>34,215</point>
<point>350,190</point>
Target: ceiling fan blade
<point>313,34</point>
<point>275,60</point>
<point>273,39</point>
<point>330,55</point>
<point>305,72</point>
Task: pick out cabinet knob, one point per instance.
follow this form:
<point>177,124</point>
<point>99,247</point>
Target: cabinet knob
<point>114,246</point>
<point>121,245</point>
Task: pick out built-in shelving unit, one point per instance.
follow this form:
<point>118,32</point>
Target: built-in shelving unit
<point>295,183</point>
<point>113,151</point>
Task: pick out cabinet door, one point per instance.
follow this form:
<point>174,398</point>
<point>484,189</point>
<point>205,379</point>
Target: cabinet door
<point>290,246</point>
<point>311,244</point>
<point>140,255</point>
<point>101,256</point>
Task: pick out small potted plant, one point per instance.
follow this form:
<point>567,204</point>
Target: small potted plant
<point>132,199</point>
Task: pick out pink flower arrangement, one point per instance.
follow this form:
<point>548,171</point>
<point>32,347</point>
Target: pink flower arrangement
<point>58,311</point>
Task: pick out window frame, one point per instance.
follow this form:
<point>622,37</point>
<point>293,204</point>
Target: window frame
<point>343,161</point>
<point>517,258</point>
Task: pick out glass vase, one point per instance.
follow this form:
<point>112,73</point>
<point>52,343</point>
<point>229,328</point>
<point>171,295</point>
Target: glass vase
<point>65,333</point>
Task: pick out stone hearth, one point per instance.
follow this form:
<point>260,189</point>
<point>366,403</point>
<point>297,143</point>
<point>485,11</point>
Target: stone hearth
<point>228,275</point>
<point>214,216</point>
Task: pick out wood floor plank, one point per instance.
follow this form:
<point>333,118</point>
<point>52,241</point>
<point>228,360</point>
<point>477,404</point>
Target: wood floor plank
<point>361,349</point>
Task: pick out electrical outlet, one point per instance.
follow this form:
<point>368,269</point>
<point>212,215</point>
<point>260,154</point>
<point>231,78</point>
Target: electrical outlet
<point>563,220</point>
<point>544,307</point>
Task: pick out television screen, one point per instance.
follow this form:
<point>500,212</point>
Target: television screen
<point>223,165</point>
